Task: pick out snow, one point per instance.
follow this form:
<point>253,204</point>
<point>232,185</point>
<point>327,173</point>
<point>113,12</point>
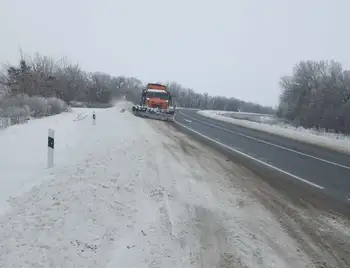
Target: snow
<point>23,152</point>
<point>158,91</point>
<point>339,143</point>
<point>125,194</point>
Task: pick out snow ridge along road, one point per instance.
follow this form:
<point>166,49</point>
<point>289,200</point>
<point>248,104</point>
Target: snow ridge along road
<point>129,192</point>
<point>335,143</point>
<point>326,170</point>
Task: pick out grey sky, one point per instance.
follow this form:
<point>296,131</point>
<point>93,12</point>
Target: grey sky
<point>236,48</point>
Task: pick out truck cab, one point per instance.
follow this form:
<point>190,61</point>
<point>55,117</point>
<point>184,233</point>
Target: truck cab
<point>156,96</point>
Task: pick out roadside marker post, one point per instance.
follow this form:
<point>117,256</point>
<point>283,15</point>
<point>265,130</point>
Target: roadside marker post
<point>93,118</point>
<point>50,148</point>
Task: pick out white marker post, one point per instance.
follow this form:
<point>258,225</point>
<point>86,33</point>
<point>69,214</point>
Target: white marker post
<point>93,118</point>
<point>50,148</point>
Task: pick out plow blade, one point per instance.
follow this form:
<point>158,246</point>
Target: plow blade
<point>154,113</point>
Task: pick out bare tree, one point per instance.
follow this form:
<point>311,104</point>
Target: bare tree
<point>317,95</point>
<point>45,77</point>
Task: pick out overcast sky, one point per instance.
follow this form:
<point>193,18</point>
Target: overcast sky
<point>236,48</point>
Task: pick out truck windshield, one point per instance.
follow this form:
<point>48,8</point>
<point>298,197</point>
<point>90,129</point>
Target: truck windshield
<point>160,95</point>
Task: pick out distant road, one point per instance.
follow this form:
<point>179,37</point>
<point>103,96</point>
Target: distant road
<point>323,169</point>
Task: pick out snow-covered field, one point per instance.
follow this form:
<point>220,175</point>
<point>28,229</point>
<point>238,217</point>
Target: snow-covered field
<point>127,192</point>
<point>331,141</point>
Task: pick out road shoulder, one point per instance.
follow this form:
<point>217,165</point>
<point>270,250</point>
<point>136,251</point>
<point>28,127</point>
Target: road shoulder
<point>322,234</point>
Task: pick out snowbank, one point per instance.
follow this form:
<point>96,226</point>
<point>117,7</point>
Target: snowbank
<point>123,194</point>
<point>24,150</point>
<point>255,117</point>
<point>341,145</point>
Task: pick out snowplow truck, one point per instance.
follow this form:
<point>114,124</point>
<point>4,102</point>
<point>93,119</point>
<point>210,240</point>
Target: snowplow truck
<point>156,103</point>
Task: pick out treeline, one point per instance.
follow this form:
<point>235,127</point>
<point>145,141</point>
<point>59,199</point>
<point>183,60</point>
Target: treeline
<point>38,78</point>
<point>40,86</point>
<point>188,98</point>
<point>317,95</point>
<point>45,77</point>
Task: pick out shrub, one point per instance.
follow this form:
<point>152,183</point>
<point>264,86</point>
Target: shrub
<point>36,106</point>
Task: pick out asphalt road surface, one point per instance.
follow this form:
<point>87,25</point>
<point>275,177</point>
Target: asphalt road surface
<point>326,170</point>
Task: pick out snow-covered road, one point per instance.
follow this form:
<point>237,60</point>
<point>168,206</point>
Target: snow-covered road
<point>127,192</point>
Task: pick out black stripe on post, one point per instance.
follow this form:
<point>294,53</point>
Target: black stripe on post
<point>51,142</point>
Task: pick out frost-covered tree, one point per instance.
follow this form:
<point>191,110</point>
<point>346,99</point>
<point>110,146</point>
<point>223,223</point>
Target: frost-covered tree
<point>317,95</point>
<point>43,77</point>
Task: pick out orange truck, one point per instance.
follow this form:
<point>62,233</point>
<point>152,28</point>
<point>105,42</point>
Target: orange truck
<point>156,102</point>
<point>155,96</point>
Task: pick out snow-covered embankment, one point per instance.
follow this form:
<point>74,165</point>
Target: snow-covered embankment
<point>124,194</point>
